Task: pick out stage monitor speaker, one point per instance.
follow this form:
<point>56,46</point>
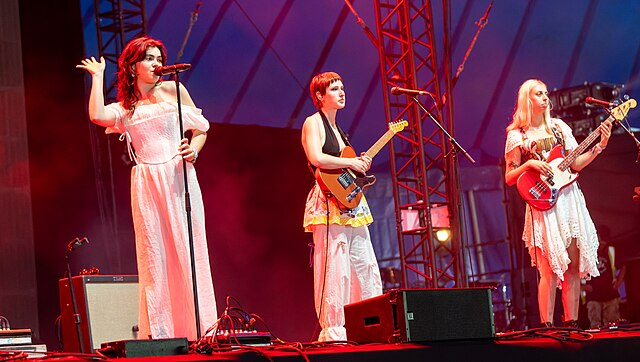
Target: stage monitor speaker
<point>107,308</point>
<point>146,347</point>
<point>421,315</point>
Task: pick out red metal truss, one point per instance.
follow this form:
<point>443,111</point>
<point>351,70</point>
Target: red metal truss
<point>425,177</point>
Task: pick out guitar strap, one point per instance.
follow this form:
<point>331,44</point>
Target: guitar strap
<point>345,139</point>
<point>331,145</point>
<point>557,133</point>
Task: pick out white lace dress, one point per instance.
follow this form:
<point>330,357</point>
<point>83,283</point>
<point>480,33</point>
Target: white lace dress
<point>552,230</point>
<point>166,307</point>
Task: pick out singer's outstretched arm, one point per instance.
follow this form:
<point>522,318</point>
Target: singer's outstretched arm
<point>97,112</point>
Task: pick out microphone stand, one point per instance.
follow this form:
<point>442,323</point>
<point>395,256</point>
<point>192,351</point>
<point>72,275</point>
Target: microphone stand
<point>187,199</point>
<point>76,315</point>
<point>455,145</point>
<point>634,139</point>
<point>631,134</point>
<point>455,148</point>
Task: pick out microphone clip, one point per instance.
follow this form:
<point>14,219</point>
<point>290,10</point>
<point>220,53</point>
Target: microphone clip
<point>171,69</point>
<point>76,243</point>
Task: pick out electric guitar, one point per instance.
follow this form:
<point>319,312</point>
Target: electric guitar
<point>540,191</point>
<point>346,185</point>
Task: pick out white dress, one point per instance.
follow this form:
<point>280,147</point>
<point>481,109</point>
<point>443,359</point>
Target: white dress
<point>553,230</point>
<point>166,308</point>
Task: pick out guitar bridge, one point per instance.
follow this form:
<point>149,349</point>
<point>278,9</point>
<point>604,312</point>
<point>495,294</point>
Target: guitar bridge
<point>537,190</point>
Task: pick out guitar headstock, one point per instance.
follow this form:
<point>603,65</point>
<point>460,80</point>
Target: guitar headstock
<point>621,111</point>
<point>399,125</point>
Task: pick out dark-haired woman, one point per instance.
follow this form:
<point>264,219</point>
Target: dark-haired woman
<point>146,117</point>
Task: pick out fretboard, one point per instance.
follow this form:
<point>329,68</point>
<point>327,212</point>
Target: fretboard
<point>568,160</point>
<point>373,150</point>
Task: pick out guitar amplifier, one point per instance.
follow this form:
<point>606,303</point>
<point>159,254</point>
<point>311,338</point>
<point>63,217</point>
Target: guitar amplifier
<point>421,315</point>
<point>107,308</point>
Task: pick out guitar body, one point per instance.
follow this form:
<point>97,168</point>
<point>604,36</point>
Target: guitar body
<point>345,185</point>
<point>540,191</point>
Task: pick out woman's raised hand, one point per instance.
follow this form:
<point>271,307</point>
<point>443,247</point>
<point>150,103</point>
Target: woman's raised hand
<point>93,66</point>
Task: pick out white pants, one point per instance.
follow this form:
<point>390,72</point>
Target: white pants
<point>345,271</point>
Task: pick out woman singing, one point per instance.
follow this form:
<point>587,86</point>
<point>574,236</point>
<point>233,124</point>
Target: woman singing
<point>146,116</point>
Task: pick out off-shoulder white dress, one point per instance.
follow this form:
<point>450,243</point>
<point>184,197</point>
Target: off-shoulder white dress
<point>166,307</point>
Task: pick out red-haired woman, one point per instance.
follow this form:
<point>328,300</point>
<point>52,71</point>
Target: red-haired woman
<point>562,241</point>
<point>146,116</point>
<point>344,264</point>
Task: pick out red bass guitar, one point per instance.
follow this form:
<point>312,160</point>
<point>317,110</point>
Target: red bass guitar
<point>540,191</point>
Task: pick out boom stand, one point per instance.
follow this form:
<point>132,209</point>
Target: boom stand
<point>76,316</point>
<point>455,147</point>
<point>187,206</point>
<point>454,144</point>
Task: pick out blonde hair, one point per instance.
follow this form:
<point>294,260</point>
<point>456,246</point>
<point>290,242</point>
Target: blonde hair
<point>524,107</point>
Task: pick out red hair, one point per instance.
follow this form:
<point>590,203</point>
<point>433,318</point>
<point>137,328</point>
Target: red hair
<point>319,83</point>
<point>132,53</point>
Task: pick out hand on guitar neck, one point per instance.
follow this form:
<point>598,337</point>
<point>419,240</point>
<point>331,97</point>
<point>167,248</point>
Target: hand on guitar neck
<point>541,183</point>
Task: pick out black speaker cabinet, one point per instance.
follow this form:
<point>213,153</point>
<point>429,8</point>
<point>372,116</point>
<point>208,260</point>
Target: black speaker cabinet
<point>107,308</point>
<point>421,315</point>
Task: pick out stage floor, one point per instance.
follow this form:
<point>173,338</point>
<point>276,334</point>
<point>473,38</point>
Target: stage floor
<point>552,344</point>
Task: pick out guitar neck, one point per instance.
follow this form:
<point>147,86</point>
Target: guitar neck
<point>373,150</point>
<point>580,149</point>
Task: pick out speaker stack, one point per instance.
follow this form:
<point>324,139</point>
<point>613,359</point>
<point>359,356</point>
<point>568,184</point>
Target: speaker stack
<point>421,315</point>
<point>107,307</point>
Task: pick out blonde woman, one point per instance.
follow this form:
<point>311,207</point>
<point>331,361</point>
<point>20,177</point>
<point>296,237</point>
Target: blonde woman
<point>562,241</point>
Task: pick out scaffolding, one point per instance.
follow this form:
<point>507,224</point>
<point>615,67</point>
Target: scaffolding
<point>117,22</point>
<point>424,168</point>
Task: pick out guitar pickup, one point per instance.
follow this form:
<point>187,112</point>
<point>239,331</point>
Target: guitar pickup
<point>352,195</point>
<point>345,179</point>
<point>550,181</point>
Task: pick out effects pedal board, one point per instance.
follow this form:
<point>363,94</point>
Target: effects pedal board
<point>243,337</point>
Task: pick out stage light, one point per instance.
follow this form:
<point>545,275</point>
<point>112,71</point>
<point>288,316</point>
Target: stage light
<point>443,235</point>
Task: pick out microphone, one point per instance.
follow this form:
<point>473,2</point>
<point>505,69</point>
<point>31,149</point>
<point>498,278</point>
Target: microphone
<point>410,92</point>
<point>75,243</point>
<point>171,69</point>
<point>592,100</point>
